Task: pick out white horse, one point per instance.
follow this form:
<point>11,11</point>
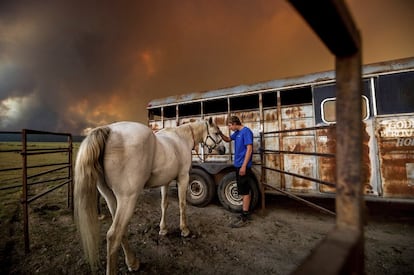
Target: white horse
<point>122,159</point>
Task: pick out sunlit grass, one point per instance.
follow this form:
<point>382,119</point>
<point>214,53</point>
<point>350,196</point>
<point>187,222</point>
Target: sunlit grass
<point>11,159</point>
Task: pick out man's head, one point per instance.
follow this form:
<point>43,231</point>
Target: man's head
<point>234,120</point>
<point>234,123</point>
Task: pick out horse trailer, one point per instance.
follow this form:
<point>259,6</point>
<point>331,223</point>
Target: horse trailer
<point>293,122</point>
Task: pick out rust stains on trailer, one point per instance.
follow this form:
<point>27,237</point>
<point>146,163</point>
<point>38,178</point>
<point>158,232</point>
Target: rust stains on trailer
<point>301,184</point>
<point>326,143</point>
<point>297,117</point>
<point>294,112</point>
<point>272,161</point>
<point>294,141</point>
<point>249,116</point>
<point>220,120</point>
<point>271,177</point>
<point>396,151</point>
<point>270,116</point>
<point>366,162</point>
<point>300,164</point>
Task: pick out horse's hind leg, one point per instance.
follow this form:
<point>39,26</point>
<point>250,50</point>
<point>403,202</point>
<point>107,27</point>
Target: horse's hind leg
<point>164,206</point>
<point>117,235</point>
<point>130,258</point>
<point>182,200</point>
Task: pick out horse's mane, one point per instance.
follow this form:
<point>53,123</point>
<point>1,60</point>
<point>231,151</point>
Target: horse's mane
<point>173,129</point>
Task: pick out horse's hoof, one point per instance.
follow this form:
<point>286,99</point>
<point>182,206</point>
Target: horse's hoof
<point>134,266</point>
<point>185,233</point>
<point>163,232</point>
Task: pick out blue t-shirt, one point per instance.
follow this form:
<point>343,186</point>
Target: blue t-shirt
<point>242,138</point>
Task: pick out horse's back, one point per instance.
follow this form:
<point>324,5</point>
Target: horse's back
<point>129,153</point>
<point>130,127</point>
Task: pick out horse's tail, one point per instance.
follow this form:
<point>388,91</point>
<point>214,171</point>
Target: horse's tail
<point>88,170</point>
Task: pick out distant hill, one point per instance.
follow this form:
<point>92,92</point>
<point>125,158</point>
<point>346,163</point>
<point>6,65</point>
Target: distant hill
<point>8,137</point>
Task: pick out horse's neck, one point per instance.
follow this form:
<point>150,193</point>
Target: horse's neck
<point>184,132</point>
<point>193,132</point>
<point>198,131</point>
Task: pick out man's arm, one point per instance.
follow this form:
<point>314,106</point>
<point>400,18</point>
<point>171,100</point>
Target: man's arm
<point>224,137</point>
<point>249,151</point>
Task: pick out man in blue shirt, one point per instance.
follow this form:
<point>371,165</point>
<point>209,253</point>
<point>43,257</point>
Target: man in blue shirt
<point>243,151</point>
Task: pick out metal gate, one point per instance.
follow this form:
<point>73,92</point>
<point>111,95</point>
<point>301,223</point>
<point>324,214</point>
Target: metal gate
<point>31,179</point>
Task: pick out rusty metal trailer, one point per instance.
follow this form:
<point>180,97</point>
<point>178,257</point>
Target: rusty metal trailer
<point>293,121</point>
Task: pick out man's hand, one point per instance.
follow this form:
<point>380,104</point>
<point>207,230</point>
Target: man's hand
<point>242,171</point>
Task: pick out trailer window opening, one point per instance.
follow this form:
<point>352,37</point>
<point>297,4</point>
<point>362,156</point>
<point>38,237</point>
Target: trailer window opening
<point>329,109</point>
<point>169,111</point>
<point>189,109</point>
<point>395,93</point>
<point>154,114</point>
<point>296,96</point>
<point>215,106</point>
<point>269,99</point>
<point>247,102</point>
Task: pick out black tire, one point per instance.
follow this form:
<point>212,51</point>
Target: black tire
<point>201,188</point>
<point>229,197</point>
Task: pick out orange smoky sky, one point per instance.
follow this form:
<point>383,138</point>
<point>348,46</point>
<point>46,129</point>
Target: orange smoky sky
<point>67,66</point>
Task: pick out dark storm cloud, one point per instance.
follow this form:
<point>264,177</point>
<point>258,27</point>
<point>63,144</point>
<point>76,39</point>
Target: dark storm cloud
<point>56,54</point>
<point>69,65</point>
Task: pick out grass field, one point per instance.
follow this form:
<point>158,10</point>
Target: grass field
<point>11,172</point>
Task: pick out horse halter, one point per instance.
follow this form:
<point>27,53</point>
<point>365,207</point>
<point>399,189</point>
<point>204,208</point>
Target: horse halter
<point>210,147</point>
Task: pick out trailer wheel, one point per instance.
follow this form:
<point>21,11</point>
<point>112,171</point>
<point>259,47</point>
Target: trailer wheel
<point>229,197</point>
<point>201,188</point>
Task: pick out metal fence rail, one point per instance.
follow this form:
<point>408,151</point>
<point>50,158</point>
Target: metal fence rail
<point>29,180</point>
<point>265,152</point>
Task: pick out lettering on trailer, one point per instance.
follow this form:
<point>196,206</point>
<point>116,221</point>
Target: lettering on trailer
<point>405,142</point>
<point>402,129</point>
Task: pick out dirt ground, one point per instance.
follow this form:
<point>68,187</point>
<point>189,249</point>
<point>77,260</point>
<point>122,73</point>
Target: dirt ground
<point>275,242</point>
